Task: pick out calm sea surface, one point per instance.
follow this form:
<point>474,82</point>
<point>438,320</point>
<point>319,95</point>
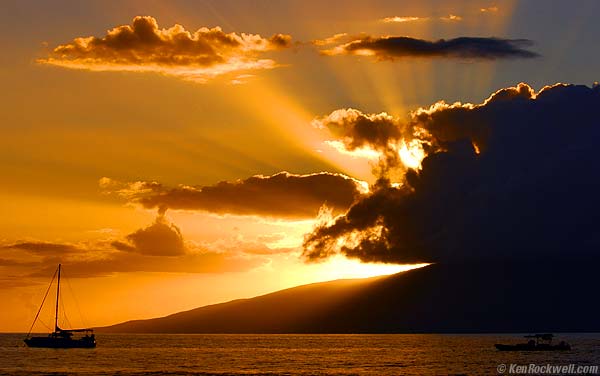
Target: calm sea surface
<point>392,354</point>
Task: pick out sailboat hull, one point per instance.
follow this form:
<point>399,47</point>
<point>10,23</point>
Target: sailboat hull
<point>60,343</point>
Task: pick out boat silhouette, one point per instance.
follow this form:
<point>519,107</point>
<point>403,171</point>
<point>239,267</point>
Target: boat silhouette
<point>60,338</point>
<point>537,342</point>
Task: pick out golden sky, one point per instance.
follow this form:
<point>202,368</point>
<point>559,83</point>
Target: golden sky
<point>173,154</point>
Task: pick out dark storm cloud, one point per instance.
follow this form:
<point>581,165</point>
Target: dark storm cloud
<point>280,195</point>
<point>391,47</point>
<point>143,46</point>
<point>514,177</point>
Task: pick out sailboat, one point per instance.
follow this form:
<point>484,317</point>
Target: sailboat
<point>60,338</point>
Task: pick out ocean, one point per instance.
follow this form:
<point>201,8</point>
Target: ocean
<point>344,354</point>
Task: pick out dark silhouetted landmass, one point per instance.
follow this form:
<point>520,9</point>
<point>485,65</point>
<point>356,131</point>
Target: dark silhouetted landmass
<point>532,296</point>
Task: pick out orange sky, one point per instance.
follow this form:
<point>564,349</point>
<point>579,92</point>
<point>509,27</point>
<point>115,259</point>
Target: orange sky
<point>92,136</point>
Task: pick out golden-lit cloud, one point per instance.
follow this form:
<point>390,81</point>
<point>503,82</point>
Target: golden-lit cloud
<point>242,79</point>
<point>395,47</point>
<point>379,137</point>
<point>256,247</point>
<point>402,19</point>
<point>330,40</point>
<point>451,17</point>
<point>357,129</point>
<point>144,47</point>
<point>282,195</point>
<point>360,152</point>
<point>489,9</point>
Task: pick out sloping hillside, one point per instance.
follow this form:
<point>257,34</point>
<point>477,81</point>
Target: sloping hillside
<point>476,297</point>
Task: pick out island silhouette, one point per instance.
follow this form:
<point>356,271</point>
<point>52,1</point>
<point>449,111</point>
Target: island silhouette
<point>492,296</point>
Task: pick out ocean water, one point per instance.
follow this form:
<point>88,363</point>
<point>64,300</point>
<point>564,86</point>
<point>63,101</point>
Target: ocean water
<point>360,354</point>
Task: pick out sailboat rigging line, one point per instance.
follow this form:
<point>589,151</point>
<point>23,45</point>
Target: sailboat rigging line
<point>66,320</point>
<point>57,299</point>
<point>43,300</point>
<point>83,320</point>
<point>43,323</point>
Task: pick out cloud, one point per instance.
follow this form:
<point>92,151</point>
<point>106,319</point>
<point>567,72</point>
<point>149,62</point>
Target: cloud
<point>127,262</point>
<point>15,263</point>
<point>242,79</point>
<point>372,136</point>
<point>331,40</point>
<point>515,177</point>
<point>391,47</point>
<point>451,18</point>
<point>281,195</point>
<point>43,247</point>
<point>144,47</point>
<point>258,247</point>
<point>489,9</point>
<point>279,41</point>
<point>159,247</point>
<point>7,282</point>
<point>159,239</point>
<point>397,19</point>
<point>360,134</point>
<point>357,129</point>
<point>402,19</point>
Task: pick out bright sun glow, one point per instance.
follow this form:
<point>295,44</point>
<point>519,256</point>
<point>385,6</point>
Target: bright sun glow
<point>356,153</point>
<point>411,154</point>
<point>340,267</point>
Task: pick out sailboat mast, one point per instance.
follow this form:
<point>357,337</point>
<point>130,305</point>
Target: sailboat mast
<point>57,297</point>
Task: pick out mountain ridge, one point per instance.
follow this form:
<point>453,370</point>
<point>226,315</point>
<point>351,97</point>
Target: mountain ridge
<point>335,284</point>
<point>502,296</point>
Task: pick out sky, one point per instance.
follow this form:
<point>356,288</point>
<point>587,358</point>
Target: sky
<point>173,154</point>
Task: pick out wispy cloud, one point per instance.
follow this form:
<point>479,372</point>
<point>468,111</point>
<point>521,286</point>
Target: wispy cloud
<point>451,17</point>
<point>42,248</point>
<point>489,9</point>
<point>331,40</point>
<point>402,19</point>
<point>242,79</point>
<point>405,19</point>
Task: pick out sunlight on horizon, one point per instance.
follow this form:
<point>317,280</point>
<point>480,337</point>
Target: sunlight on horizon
<point>340,267</point>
